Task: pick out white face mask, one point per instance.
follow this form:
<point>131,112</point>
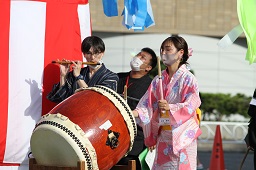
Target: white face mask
<point>135,64</point>
<point>169,59</point>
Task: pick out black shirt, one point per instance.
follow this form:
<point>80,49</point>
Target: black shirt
<point>136,88</point>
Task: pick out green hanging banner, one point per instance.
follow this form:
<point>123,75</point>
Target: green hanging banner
<point>247,18</point>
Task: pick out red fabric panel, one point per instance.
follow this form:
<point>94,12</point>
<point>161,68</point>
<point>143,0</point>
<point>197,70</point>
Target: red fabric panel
<point>62,40</point>
<point>4,53</point>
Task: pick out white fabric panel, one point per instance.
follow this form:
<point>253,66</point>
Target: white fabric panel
<point>26,62</point>
<point>84,19</point>
<point>21,167</point>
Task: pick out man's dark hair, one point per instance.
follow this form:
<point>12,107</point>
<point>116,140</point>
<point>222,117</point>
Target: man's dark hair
<point>93,42</point>
<point>153,60</point>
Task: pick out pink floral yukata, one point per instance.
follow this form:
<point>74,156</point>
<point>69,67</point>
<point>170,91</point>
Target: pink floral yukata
<point>175,148</point>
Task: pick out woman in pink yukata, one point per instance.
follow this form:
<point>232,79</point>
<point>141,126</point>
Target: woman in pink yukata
<point>174,136</point>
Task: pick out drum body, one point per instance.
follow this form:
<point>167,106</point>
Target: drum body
<point>95,125</point>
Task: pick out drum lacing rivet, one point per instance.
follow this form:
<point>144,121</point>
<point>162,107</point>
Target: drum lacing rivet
<point>77,127</point>
<point>82,133</point>
<point>44,116</point>
<point>58,115</point>
<point>63,117</point>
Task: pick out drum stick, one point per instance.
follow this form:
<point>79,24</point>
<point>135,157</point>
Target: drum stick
<point>132,98</point>
<point>160,78</point>
<point>163,112</point>
<point>69,62</point>
<point>125,93</point>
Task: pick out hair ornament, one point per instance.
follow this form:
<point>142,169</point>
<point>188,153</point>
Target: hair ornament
<point>190,51</point>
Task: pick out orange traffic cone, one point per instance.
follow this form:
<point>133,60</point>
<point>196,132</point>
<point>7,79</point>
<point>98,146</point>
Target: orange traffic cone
<point>217,158</point>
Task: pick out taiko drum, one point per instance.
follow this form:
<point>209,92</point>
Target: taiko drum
<point>94,125</point>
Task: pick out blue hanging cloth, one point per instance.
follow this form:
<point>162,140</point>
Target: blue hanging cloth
<point>150,18</point>
<point>137,14</point>
<point>110,7</point>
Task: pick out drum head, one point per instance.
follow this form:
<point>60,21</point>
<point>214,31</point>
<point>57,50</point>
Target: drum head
<point>53,153</point>
<point>56,141</point>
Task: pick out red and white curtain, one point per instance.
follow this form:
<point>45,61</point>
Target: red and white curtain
<point>32,34</point>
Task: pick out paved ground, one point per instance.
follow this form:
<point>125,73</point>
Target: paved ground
<point>232,160</point>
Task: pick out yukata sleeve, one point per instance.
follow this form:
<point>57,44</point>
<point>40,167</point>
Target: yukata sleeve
<point>190,101</point>
<point>110,80</point>
<point>146,110</point>
<point>185,127</point>
<point>58,94</point>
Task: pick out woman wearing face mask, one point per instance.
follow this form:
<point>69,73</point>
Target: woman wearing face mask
<point>137,81</point>
<point>175,138</point>
<point>93,49</point>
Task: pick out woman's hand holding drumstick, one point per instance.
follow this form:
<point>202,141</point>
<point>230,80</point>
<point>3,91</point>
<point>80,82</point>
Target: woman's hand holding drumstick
<point>162,104</point>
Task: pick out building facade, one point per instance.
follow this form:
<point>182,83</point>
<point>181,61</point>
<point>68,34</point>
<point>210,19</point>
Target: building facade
<point>202,23</point>
<point>197,17</point>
